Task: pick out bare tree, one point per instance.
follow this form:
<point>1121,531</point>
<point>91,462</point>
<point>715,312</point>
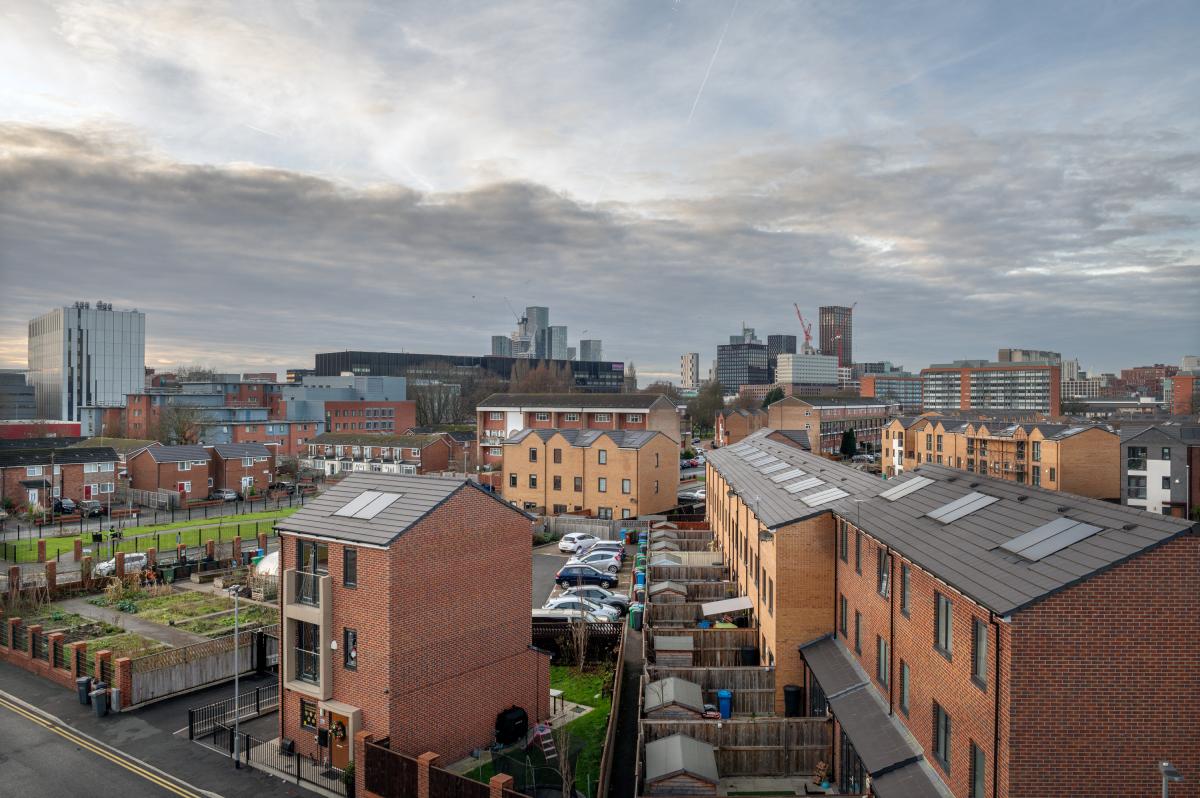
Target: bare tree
<point>176,424</point>
<point>195,372</point>
<point>437,403</point>
<point>541,377</point>
<point>666,389</point>
<point>631,378</point>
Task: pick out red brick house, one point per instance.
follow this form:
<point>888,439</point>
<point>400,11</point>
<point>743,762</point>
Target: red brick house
<point>39,476</point>
<point>342,452</point>
<point>242,467</point>
<point>397,621</point>
<point>179,470</point>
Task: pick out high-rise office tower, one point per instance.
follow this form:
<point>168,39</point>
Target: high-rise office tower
<point>556,348</point>
<point>837,332</point>
<point>81,355</point>
<point>502,345</point>
<point>689,370</point>
<point>570,353</point>
<point>16,396</point>
<point>590,349</point>
<point>537,321</point>
<point>778,345</point>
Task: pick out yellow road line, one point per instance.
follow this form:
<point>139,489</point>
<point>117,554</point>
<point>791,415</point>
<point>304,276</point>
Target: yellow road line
<point>83,743</point>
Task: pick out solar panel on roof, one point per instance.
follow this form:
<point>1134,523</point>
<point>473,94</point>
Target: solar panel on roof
<point>804,484</point>
<point>823,497</point>
<point>760,461</point>
<point>960,508</point>
<point>1050,538</point>
<point>357,503</point>
<point>786,475</point>
<point>900,491</point>
<point>378,505</point>
<point>1038,534</point>
<point>773,467</point>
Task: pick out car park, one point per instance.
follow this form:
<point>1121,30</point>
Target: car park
<point>601,596</point>
<point>90,508</point>
<point>579,604</point>
<point>573,541</point>
<point>580,574</point>
<point>604,560</point>
<point>134,561</point>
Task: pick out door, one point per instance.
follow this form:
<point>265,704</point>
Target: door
<point>339,739</point>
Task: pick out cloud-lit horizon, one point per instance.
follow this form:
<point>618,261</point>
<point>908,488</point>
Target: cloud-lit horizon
<point>275,180</point>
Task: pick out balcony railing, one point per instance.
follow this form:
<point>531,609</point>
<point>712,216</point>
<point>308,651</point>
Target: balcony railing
<point>308,588</point>
<point>308,666</point>
<point>1136,464</point>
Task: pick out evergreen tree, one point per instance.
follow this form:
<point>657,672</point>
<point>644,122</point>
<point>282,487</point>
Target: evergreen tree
<point>849,446</point>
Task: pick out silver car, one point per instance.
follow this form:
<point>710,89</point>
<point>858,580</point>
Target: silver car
<point>581,605</point>
<point>601,560</point>
<point>134,561</point>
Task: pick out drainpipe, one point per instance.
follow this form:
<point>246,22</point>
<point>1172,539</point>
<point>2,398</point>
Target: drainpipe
<point>891,629</point>
<point>996,711</point>
<point>837,542</point>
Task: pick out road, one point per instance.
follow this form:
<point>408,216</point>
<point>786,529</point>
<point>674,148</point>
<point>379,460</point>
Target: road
<point>546,562</point>
<point>44,757</point>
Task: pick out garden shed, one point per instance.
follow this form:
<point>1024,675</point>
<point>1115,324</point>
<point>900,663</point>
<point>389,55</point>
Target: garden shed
<point>673,651</point>
<point>680,765</point>
<point>668,592</point>
<point>673,698</point>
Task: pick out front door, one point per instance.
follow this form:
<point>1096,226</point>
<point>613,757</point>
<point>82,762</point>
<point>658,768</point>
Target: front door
<point>339,740</point>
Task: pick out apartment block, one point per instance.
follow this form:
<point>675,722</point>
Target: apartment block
<point>1181,394</point>
<point>732,424</point>
<point>742,363</point>
<point>1160,468</point>
<point>836,324</point>
<point>825,419</point>
<point>938,624</point>
<point>981,386</point>
<point>901,389</point>
<point>343,453</point>
<point>1147,380</point>
<point>689,370</point>
<point>16,396</point>
<point>503,414</point>
<point>1028,356</point>
<point>807,368</point>
<point>38,476</point>
<point>397,621</point>
<point>605,474</point>
<point>1080,459</point>
<point>247,468</point>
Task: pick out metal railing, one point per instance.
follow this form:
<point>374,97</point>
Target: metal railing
<point>20,638</point>
<point>106,672</point>
<point>308,588</point>
<point>61,659</point>
<point>37,646</point>
<point>267,755</point>
<point>308,666</point>
<point>249,704</point>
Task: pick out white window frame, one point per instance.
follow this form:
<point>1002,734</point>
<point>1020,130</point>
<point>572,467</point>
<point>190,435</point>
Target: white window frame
<point>33,471</point>
<point>496,415</point>
<point>633,418</point>
<point>571,417</point>
<point>210,482</point>
<point>105,467</point>
<point>199,462</point>
<point>187,486</point>
<point>106,487</point>
<point>599,417</point>
<point>496,451</point>
<point>247,462</point>
<point>186,465</point>
<point>415,452</point>
<point>541,416</point>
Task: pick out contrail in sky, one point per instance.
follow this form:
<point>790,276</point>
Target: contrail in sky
<point>712,60</point>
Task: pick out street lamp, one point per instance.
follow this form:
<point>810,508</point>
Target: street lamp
<point>1169,774</point>
<point>236,591</point>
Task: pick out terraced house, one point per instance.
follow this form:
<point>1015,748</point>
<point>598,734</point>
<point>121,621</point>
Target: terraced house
<point>1081,459</point>
<point>966,635</point>
<point>340,452</point>
<point>614,474</point>
<point>36,477</point>
<point>826,419</point>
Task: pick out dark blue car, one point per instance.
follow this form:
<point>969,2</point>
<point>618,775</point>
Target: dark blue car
<point>576,575</point>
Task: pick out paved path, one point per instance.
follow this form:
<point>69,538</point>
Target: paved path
<point>130,622</point>
<point>623,783</point>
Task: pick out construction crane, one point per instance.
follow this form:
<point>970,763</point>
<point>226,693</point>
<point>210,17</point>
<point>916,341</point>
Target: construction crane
<point>807,327</point>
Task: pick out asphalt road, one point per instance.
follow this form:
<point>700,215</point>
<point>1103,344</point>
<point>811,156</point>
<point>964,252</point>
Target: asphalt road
<point>44,757</point>
<point>546,562</point>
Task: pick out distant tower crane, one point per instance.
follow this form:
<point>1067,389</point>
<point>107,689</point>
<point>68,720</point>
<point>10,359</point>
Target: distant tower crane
<point>807,327</point>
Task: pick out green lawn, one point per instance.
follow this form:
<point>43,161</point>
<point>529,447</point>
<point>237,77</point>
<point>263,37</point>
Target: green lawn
<point>192,533</point>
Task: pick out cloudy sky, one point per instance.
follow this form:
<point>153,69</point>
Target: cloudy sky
<point>271,179</point>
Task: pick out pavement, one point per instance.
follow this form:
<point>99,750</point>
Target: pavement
<point>61,748</point>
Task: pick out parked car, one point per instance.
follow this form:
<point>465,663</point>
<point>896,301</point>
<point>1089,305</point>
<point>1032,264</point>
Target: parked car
<point>287,487</point>
<point>697,494</point>
<point>579,604</point>
<point>566,616</point>
<point>581,574</point>
<point>224,494</point>
<point>64,505</point>
<point>601,545</point>
<point>604,560</point>
<point>572,541</point>
<point>601,596</point>
<point>134,561</point>
<point>90,508</point>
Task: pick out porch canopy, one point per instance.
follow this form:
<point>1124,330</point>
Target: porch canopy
<point>896,764</point>
<point>726,605</point>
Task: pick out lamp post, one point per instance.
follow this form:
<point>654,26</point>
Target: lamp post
<point>235,591</point>
<point>1169,774</point>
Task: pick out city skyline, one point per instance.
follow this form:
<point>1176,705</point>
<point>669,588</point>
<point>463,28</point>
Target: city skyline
<point>269,183</point>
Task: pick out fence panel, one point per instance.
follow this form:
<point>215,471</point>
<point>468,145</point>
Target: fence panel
<point>390,774</point>
<point>62,659</point>
<point>37,646</point>
<point>4,631</point>
<point>763,746</point>
<point>556,637</point>
<point>20,638</point>
<point>181,669</point>
<point>712,648</point>
<point>444,784</point>
<point>753,688</point>
<point>106,672</point>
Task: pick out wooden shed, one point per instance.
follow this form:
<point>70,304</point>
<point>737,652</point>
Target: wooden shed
<point>680,765</point>
<point>664,545</point>
<point>668,592</point>
<point>673,698</point>
<point>674,651</point>
<point>664,534</point>
<point>665,559</point>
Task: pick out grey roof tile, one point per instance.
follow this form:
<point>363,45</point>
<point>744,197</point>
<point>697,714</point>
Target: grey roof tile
<point>229,451</point>
<point>177,454</point>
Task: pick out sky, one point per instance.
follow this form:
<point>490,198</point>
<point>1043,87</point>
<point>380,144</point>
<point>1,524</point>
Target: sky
<point>269,180</point>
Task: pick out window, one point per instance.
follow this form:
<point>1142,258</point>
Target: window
<point>626,486</point>
<point>978,780</point>
<point>602,485</point>
<point>496,451</point>
<point>939,443</point>
<point>843,613</point>
<point>1035,477</point>
<point>512,480</point>
<point>857,552</point>
<point>533,480</point>
<point>904,589</point>
<point>559,509</point>
<point>496,415</point>
<point>350,567</point>
<point>1037,451</point>
<point>350,649</point>
<point>187,486</point>
<point>928,441</point>
<point>602,456</point>
<point>558,455</point>
<point>185,466</point>
<point>579,484</point>
<point>633,418</point>
<point>557,483</point>
<point>1135,458</point>
<point>844,542</point>
<point>656,486</point>
<point>770,596</point>
<point>603,417</point>
<point>625,513</point>
<point>312,557</point>
<point>106,487</point>
<point>656,459</point>
<point>941,737</point>
<point>904,687</point>
<point>857,632</point>
<point>542,416</point>
<point>604,512</point>
<point>532,454</point>
<point>1166,452</point>
<point>88,468</point>
<point>415,452</point>
<point>247,462</point>
<point>979,645</point>
<point>571,417</point>
<point>308,714</point>
<point>210,482</point>
<point>943,634</point>
<point>883,572</point>
<point>1051,473</point>
<point>1166,483</point>
<point>882,666</point>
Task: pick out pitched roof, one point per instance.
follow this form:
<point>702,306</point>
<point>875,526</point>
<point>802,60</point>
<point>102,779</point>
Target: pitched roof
<point>39,443</point>
<point>798,437</point>
<point>678,754</point>
<point>673,690</point>
<point>575,401</point>
<point>122,445</point>
<point>583,438</point>
<point>177,454</point>
<point>375,439</point>
<point>417,496</point>
<point>836,401</point>
<point>230,451</point>
<point>34,457</point>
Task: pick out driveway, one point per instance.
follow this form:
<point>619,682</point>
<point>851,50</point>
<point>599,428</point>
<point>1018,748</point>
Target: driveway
<point>546,562</point>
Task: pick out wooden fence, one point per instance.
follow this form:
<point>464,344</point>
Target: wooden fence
<point>754,746</point>
<point>610,736</point>
<point>179,670</point>
<point>681,545</point>
<point>555,636</point>
<point>680,613</point>
<point>603,528</point>
<point>688,573</point>
<point>710,591</point>
<point>753,688</point>
<point>703,535</point>
<point>712,648</point>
